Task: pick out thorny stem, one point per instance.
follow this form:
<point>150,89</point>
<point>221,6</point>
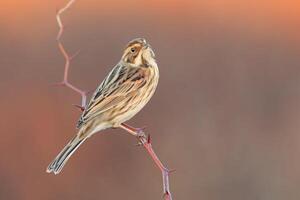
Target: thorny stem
<point>146,142</point>
<point>65,82</point>
<point>139,133</point>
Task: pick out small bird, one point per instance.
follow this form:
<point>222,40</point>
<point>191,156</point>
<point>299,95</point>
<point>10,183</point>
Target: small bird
<point>121,95</point>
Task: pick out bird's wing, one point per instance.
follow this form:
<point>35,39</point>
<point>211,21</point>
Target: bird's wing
<point>120,83</point>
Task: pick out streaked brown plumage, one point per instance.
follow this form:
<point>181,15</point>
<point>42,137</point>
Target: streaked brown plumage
<point>122,94</point>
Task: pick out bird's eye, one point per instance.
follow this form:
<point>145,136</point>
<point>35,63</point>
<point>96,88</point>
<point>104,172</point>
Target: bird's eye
<point>132,50</point>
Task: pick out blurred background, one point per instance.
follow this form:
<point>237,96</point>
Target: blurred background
<point>226,114</point>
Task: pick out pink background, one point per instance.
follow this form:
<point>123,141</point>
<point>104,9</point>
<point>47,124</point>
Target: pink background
<point>226,114</point>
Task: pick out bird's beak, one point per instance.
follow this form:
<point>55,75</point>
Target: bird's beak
<point>147,46</point>
<point>144,41</point>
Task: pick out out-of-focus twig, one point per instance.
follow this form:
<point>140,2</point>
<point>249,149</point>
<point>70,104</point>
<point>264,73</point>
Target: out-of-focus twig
<point>139,133</point>
<point>68,58</point>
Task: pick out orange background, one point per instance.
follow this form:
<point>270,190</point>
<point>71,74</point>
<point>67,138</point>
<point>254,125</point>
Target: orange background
<point>226,114</point>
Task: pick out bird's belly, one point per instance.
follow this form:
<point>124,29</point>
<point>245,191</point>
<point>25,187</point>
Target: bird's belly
<point>129,114</point>
<point>136,104</point>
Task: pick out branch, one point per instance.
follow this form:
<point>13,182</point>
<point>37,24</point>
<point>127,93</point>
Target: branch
<point>139,133</point>
<point>146,142</point>
<point>65,82</point>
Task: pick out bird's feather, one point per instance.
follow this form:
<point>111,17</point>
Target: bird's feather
<point>116,88</point>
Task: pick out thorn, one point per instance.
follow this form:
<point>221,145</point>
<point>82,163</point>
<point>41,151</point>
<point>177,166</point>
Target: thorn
<point>75,55</point>
<point>58,84</point>
<point>148,139</point>
<point>171,171</point>
<point>80,107</point>
<point>88,92</point>
<point>57,10</point>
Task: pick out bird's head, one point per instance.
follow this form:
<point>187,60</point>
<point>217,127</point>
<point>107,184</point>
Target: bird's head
<point>139,53</point>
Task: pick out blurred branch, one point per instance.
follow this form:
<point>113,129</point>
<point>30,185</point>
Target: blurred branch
<point>139,133</point>
<point>68,58</point>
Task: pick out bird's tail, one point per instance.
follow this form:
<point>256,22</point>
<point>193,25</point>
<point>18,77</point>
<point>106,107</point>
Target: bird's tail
<point>61,159</point>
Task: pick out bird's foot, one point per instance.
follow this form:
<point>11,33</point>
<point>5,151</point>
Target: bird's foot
<point>139,133</point>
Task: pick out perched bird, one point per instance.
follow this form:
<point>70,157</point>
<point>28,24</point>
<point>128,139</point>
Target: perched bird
<point>121,95</point>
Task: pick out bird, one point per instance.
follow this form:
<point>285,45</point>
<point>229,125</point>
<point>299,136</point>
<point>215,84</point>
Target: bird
<point>120,96</point>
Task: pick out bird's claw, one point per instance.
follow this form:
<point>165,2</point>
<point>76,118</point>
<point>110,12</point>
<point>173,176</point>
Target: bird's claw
<point>142,136</point>
<point>138,144</point>
<point>140,132</point>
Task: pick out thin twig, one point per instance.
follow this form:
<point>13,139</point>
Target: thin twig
<point>146,142</point>
<point>139,133</point>
<point>68,58</point>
